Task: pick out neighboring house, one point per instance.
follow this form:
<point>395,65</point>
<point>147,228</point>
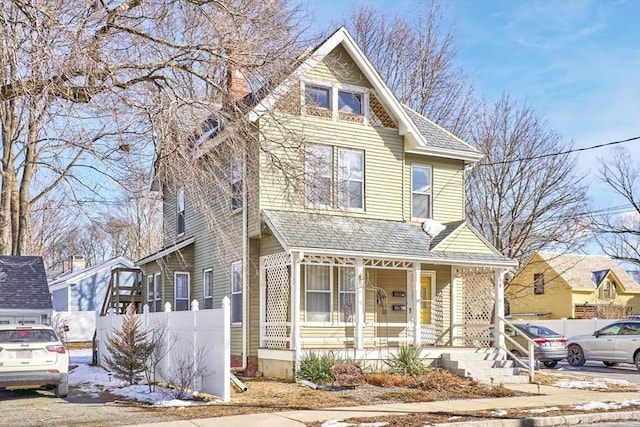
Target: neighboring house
<point>376,254</point>
<point>24,295</point>
<point>84,288</point>
<point>554,286</point>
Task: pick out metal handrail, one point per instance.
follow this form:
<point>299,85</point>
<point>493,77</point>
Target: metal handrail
<point>530,352</point>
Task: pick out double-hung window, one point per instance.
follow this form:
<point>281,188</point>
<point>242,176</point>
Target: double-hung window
<point>157,294</point>
<point>180,222</point>
<point>150,297</point>
<point>318,175</point>
<point>346,293</point>
<point>236,182</point>
<point>421,198</point>
<point>236,292</point>
<point>318,280</point>
<point>181,289</point>
<point>207,282</point>
<point>351,179</point>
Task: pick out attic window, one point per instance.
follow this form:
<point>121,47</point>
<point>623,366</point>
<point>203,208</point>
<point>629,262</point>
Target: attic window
<point>349,102</point>
<point>319,97</point>
<point>538,283</point>
<point>607,290</point>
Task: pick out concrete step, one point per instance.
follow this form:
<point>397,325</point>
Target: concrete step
<point>484,365</point>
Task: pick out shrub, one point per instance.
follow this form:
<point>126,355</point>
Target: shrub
<point>407,361</point>
<point>315,368</point>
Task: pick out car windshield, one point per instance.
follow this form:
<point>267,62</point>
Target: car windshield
<point>613,329</point>
<point>537,331</point>
<point>28,335</point>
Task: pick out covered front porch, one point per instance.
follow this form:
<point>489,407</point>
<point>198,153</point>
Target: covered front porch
<point>365,308</point>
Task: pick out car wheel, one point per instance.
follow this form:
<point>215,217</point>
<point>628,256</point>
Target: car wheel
<point>550,363</point>
<point>62,389</point>
<point>637,360</point>
<point>610,364</point>
<point>575,356</point>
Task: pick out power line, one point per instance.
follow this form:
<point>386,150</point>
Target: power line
<point>560,153</point>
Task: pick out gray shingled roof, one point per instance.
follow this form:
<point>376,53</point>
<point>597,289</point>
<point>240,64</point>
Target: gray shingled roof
<point>23,283</point>
<point>435,135</point>
<point>323,232</point>
<point>449,228</point>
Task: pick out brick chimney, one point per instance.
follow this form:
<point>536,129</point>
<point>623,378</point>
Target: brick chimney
<point>74,263</point>
<point>237,84</point>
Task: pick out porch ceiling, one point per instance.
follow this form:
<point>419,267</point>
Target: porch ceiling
<point>364,237</point>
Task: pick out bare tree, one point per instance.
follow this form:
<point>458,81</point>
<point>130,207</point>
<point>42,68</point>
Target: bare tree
<point>525,194</point>
<point>619,234</point>
<point>415,56</point>
<point>88,90</point>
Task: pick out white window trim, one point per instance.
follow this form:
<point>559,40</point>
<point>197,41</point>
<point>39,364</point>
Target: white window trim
<point>423,165</point>
<point>175,293</point>
<point>341,291</point>
<point>238,157</point>
<point>151,284</point>
<point>331,149</point>
<point>330,291</point>
<point>157,286</point>
<point>204,285</point>
<point>180,200</point>
<point>233,265</point>
<point>339,182</point>
<point>335,87</point>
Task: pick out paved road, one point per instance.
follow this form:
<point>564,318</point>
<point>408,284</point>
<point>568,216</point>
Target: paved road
<point>623,371</point>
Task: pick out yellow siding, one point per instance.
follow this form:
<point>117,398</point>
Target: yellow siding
<point>556,300</point>
<point>464,240</point>
<point>269,245</point>
<point>442,302</point>
<point>447,191</point>
<point>383,153</point>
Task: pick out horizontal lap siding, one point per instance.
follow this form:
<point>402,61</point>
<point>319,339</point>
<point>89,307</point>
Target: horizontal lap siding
<point>447,187</point>
<point>464,241</point>
<point>383,152</point>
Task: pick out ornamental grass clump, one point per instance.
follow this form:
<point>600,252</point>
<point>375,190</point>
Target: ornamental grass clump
<point>316,368</point>
<point>407,361</point>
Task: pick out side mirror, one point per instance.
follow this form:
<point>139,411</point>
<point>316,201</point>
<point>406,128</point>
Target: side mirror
<point>596,334</point>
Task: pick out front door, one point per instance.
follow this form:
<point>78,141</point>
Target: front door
<point>425,299</point>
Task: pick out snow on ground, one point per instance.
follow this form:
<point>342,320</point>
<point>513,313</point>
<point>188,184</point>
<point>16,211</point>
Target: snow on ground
<point>94,379</point>
<point>593,383</point>
<point>341,423</point>
<point>601,406</point>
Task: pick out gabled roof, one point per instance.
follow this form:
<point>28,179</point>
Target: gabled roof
<point>422,135</point>
<point>77,275</point>
<point>23,283</point>
<point>364,237</point>
<point>167,250</point>
<point>577,270</point>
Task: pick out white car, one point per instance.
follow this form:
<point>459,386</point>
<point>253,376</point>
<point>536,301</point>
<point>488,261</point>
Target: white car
<point>616,343</point>
<point>32,356</point>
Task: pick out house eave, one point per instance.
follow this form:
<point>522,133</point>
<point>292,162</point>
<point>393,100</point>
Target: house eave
<point>167,251</point>
<point>410,258</point>
<point>468,157</point>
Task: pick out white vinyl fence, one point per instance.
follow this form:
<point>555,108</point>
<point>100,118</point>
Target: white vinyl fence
<point>569,327</point>
<point>199,339</point>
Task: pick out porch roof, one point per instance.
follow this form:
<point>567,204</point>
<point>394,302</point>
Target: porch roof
<point>364,237</point>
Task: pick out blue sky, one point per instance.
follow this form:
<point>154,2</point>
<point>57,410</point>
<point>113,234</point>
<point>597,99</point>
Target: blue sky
<point>576,62</point>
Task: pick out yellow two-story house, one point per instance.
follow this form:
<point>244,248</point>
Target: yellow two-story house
<point>358,244</point>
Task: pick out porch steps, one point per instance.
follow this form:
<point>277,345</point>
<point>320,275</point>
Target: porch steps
<point>483,365</point>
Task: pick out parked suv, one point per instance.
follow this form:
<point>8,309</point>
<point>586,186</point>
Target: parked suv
<point>32,356</point>
<point>616,343</point>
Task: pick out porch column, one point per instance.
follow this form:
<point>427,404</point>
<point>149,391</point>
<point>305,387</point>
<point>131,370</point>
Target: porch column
<point>360,297</point>
<point>453,310</point>
<point>296,258</point>
<point>417,326</point>
<point>263,303</point>
<point>499,309</point>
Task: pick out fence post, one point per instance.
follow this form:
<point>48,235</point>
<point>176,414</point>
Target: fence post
<point>194,313</point>
<point>226,360</point>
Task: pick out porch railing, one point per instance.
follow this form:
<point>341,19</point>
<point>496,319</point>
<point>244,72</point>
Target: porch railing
<point>529,361</point>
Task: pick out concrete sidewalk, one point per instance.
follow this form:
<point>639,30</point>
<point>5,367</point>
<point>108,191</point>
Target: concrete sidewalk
<point>548,396</point>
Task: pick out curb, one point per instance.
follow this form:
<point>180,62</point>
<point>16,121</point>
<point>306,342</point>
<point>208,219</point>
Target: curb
<point>561,420</point>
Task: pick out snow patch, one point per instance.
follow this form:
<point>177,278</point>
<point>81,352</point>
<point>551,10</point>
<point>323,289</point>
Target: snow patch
<point>432,227</point>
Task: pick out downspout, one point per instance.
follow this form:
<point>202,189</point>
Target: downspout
<point>245,264</point>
